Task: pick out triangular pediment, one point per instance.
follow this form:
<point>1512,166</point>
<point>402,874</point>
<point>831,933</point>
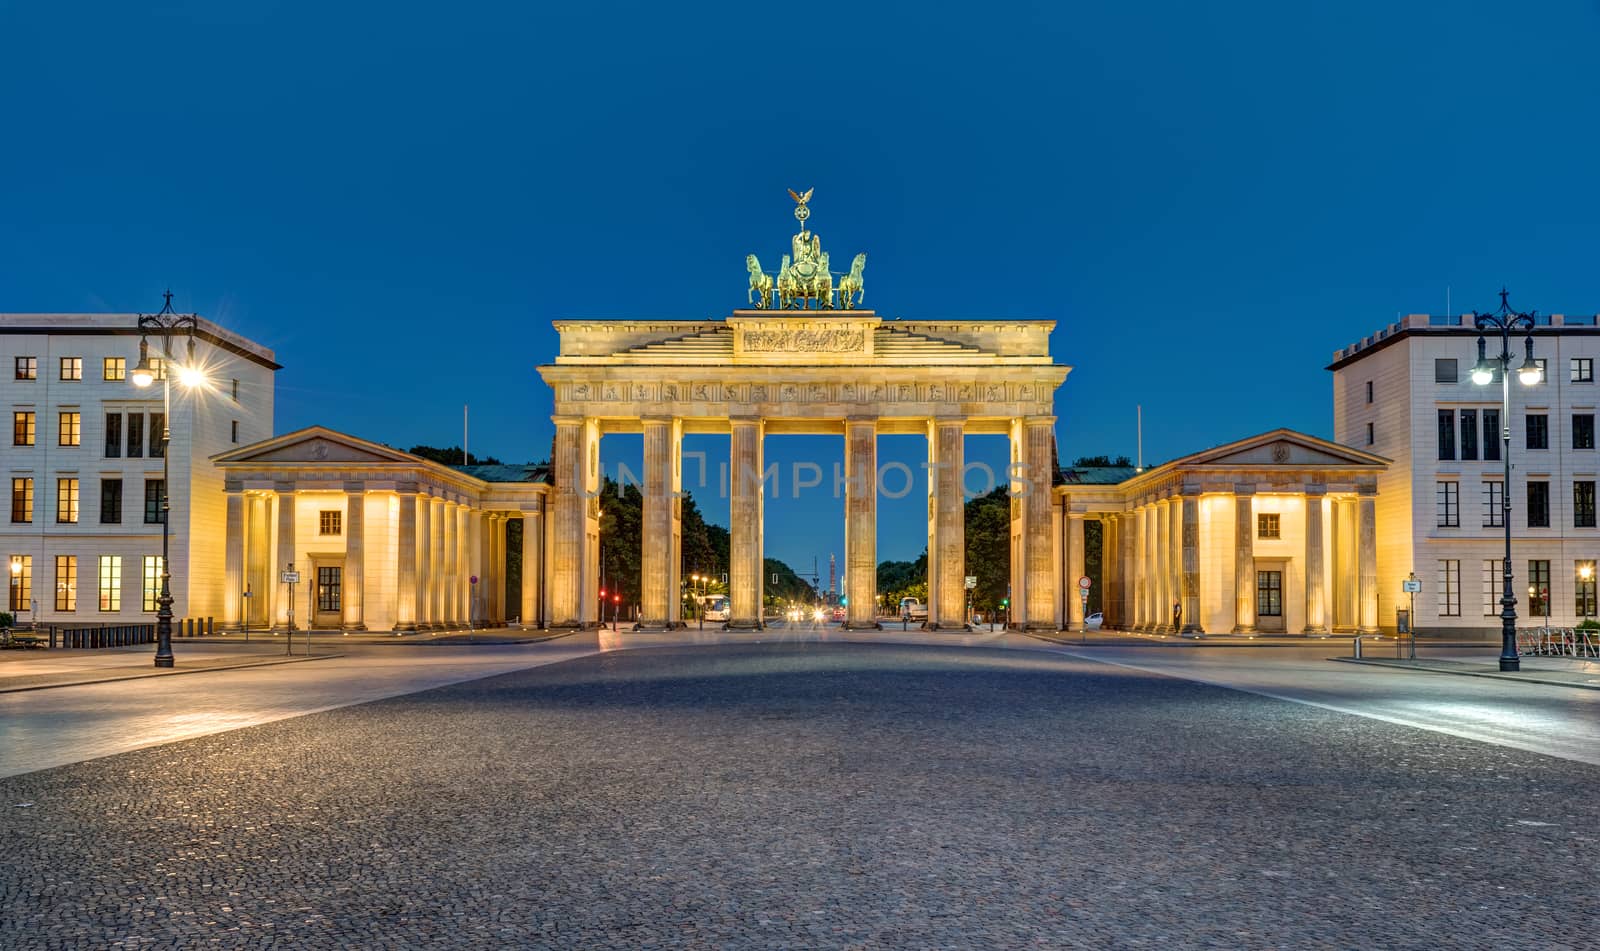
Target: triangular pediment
<point>316,445</point>
<point>1283,447</point>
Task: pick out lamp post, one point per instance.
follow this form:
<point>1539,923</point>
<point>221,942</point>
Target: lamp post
<point>1505,320</point>
<point>164,323</point>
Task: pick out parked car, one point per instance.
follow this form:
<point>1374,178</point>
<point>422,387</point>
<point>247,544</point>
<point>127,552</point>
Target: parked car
<point>838,613</point>
<point>1093,621</point>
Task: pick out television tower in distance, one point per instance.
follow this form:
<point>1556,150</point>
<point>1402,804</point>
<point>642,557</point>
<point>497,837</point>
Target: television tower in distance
<point>833,581</point>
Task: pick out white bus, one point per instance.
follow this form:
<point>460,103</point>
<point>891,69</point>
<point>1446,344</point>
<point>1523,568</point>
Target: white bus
<point>715,607</point>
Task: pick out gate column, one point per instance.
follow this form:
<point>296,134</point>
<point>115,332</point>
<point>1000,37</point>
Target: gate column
<point>573,580</point>
<point>947,594</point>
<point>745,568</point>
<point>658,570</point>
<point>1039,593</point>
<point>861,522</point>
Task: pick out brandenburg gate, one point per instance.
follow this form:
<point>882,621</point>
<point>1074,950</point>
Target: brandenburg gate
<point>805,359</point>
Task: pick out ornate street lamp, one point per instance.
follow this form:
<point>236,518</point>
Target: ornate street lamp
<point>1505,320</point>
<point>190,375</point>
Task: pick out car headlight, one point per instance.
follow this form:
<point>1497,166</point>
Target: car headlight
<point>817,615</point>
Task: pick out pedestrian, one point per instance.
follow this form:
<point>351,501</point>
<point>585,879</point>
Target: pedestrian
<point>1177,615</point>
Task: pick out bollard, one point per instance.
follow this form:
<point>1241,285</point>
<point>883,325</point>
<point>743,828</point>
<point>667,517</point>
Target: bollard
<point>1356,644</point>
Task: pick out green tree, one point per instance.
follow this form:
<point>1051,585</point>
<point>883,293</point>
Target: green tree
<point>903,579</point>
<point>988,525</point>
<point>788,587</point>
<point>1090,462</point>
<point>451,456</point>
<point>621,528</point>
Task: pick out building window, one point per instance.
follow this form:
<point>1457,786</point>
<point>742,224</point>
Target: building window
<point>1538,589</point>
<point>1491,434</point>
<point>236,391</point>
<point>71,369</point>
<point>1583,504</point>
<point>1370,439</point>
<point>1269,594</point>
<point>153,489</point>
<point>110,582</point>
<point>21,500</point>
<point>1267,525</point>
<point>1543,376</point>
<point>1450,588</point>
<point>1469,434</point>
<point>1449,504</point>
<point>22,428</point>
<point>1447,434</point>
<point>234,431</point>
<point>1369,391</point>
<point>1444,370</point>
<point>69,428</point>
<point>150,590</point>
<point>1583,430</point>
<point>110,501</point>
<point>1538,505</point>
<point>1584,586</point>
<point>115,369</point>
<point>22,586</point>
<point>67,500</point>
<point>113,435</point>
<point>1538,431</point>
<point>1494,504</point>
<point>1583,369</point>
<point>135,435</point>
<point>158,369</point>
<point>158,424</point>
<point>330,522</point>
<point>1493,586</point>
<point>66,582</point>
<point>27,368</point>
<point>328,584</point>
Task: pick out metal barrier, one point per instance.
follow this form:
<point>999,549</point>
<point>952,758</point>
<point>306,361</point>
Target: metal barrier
<point>90,638</point>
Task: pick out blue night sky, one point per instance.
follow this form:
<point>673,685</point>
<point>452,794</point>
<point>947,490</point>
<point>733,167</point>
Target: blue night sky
<point>1208,198</point>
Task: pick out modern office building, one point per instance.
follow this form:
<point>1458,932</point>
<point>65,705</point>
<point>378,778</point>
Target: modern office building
<point>82,539</point>
<point>1406,393</point>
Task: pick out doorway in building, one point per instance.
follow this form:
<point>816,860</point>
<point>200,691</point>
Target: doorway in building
<point>329,597</point>
<point>1269,600</point>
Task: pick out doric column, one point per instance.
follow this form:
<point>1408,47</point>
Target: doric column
<point>1075,563</point>
<point>476,567</point>
<point>258,561</point>
<point>861,522</point>
<point>286,554</point>
<point>450,567</point>
<point>463,563</point>
<point>1136,562</point>
<point>436,575</point>
<point>355,556</point>
<point>1038,447</point>
<point>501,559</point>
<point>1316,589</point>
<point>1342,599</point>
<point>1163,586</point>
<point>947,546</point>
<point>532,564</point>
<point>570,556</point>
<point>1244,559</point>
<point>233,560</point>
<point>1367,546</point>
<point>424,566</point>
<point>488,580</point>
<point>1110,569</point>
<point>658,592</point>
<point>745,566</point>
<point>1190,543</point>
<point>405,607</point>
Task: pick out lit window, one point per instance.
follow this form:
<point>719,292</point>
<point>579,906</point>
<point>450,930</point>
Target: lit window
<point>329,582</point>
<point>1583,575</point>
<point>67,501</point>
<point>69,430</point>
<point>110,582</point>
<point>330,522</point>
<point>66,582</point>
<point>116,369</point>
<point>150,590</point>
<point>71,368</point>
<point>21,583</point>
<point>22,428</point>
<point>21,500</point>
<point>1267,525</point>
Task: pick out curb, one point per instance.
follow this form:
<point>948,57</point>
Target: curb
<point>1487,674</point>
<point>455,640</point>
<point>1171,641</point>
<point>172,673</point>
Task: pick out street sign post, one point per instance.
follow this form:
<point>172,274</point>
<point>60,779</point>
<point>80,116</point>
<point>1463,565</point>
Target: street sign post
<point>971,582</point>
<point>1411,586</point>
<point>291,578</point>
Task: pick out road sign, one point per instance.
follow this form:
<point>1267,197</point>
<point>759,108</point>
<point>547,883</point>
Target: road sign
<point>971,582</point>
<point>1410,587</point>
<point>1085,583</point>
<point>291,577</point>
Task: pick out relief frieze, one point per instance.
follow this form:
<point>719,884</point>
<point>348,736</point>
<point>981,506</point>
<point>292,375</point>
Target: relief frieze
<point>805,340</point>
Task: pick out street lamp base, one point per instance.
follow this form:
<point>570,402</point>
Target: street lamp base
<point>1510,663</point>
<point>164,661</point>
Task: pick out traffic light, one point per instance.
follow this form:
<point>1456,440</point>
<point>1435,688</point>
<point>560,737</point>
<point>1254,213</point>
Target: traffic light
<point>1005,602</point>
<point>844,600</point>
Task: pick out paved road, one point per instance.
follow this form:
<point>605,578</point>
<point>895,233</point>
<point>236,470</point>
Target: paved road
<point>808,795</point>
